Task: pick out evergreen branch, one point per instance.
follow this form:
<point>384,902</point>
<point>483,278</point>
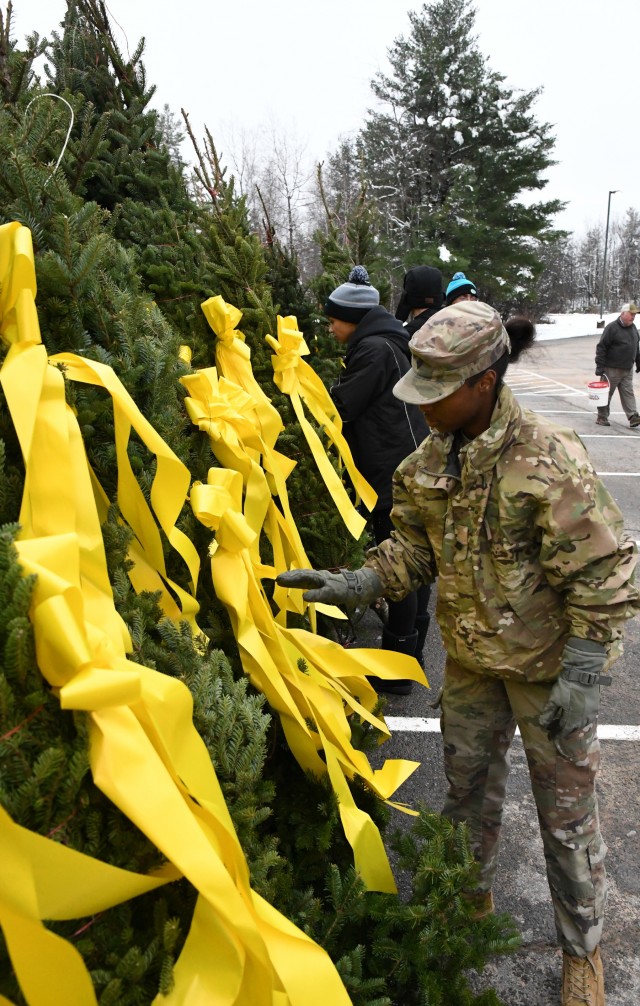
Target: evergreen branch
<point>62,824</point>
<point>270,232</point>
<point>5,46</point>
<point>323,196</point>
<point>203,176</point>
<point>20,726</point>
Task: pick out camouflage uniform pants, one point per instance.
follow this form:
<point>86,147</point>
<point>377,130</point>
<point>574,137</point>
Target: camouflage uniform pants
<point>479,717</point>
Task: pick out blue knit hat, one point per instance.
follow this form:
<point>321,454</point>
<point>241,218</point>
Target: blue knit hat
<point>458,286</point>
<point>353,299</point>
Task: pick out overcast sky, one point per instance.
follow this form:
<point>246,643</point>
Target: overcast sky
<point>305,70</point>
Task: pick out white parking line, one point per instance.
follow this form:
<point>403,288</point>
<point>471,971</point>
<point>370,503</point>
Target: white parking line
<point>412,724</point>
<point>422,725</point>
<point>575,412</point>
<point>528,387</point>
<point>546,392</point>
<point>529,375</point>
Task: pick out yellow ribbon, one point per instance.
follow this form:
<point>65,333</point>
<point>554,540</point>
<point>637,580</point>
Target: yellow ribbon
<point>229,417</point>
<point>168,491</point>
<point>297,379</point>
<point>144,576</point>
<point>42,879</point>
<point>233,361</point>
<point>145,754</point>
<point>313,704</point>
<point>185,354</point>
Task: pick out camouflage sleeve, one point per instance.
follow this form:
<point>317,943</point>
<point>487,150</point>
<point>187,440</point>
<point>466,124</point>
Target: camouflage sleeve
<point>584,552</point>
<point>405,560</point>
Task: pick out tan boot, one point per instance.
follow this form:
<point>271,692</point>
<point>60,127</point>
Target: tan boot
<point>481,902</point>
<point>582,980</point>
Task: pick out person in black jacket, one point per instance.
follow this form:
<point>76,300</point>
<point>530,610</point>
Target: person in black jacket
<point>421,297</point>
<point>616,353</point>
<point>380,430</point>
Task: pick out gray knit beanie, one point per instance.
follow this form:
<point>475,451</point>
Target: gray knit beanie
<point>353,299</point>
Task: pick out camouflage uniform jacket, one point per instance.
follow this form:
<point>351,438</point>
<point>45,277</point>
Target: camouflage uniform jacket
<point>526,541</point>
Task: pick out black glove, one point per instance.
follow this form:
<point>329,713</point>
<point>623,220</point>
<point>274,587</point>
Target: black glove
<point>574,700</point>
<point>354,591</point>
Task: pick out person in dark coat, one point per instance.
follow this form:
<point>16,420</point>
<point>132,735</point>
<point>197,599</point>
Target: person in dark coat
<point>421,297</point>
<point>616,353</point>
<point>380,430</point>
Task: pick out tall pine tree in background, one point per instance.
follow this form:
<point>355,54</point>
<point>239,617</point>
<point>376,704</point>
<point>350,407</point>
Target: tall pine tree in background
<point>453,156</point>
<point>98,296</point>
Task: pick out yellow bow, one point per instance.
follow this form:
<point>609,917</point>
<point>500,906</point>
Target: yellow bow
<point>228,415</point>
<point>233,361</point>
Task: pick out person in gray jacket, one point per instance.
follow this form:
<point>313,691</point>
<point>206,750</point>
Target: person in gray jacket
<point>616,353</point>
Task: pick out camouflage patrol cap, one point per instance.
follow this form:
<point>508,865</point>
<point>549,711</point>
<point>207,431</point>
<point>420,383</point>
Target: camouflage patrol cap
<point>454,344</point>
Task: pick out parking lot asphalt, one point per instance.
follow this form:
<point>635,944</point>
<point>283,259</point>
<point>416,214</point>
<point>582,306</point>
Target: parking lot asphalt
<point>552,380</point>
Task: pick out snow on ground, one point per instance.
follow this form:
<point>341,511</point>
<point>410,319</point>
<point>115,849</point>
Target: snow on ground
<point>570,326</point>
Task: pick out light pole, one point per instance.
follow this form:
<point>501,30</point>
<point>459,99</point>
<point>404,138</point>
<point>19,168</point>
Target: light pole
<point>604,259</point>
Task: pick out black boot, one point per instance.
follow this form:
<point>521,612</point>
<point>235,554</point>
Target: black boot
<point>399,644</point>
<point>422,627</point>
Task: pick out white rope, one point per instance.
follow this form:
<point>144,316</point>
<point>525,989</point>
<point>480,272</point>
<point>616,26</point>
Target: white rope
<point>50,94</point>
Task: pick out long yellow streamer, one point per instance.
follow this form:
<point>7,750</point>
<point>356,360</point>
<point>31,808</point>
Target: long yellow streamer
<point>297,379</point>
<point>142,574</point>
<point>145,753</point>
<point>168,490</point>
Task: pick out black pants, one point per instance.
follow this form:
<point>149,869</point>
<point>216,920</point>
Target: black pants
<point>402,614</point>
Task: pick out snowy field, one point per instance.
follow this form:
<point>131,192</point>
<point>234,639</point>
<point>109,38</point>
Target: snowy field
<point>570,326</point>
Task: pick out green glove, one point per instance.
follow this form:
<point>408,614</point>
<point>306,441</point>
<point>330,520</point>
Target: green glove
<point>354,591</point>
<point>574,700</point>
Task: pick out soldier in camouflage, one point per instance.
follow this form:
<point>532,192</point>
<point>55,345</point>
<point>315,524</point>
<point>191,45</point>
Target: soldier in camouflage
<point>535,583</point>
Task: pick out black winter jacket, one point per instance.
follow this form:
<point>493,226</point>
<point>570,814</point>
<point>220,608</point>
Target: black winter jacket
<point>380,429</point>
<point>618,347</point>
<point>413,324</point>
